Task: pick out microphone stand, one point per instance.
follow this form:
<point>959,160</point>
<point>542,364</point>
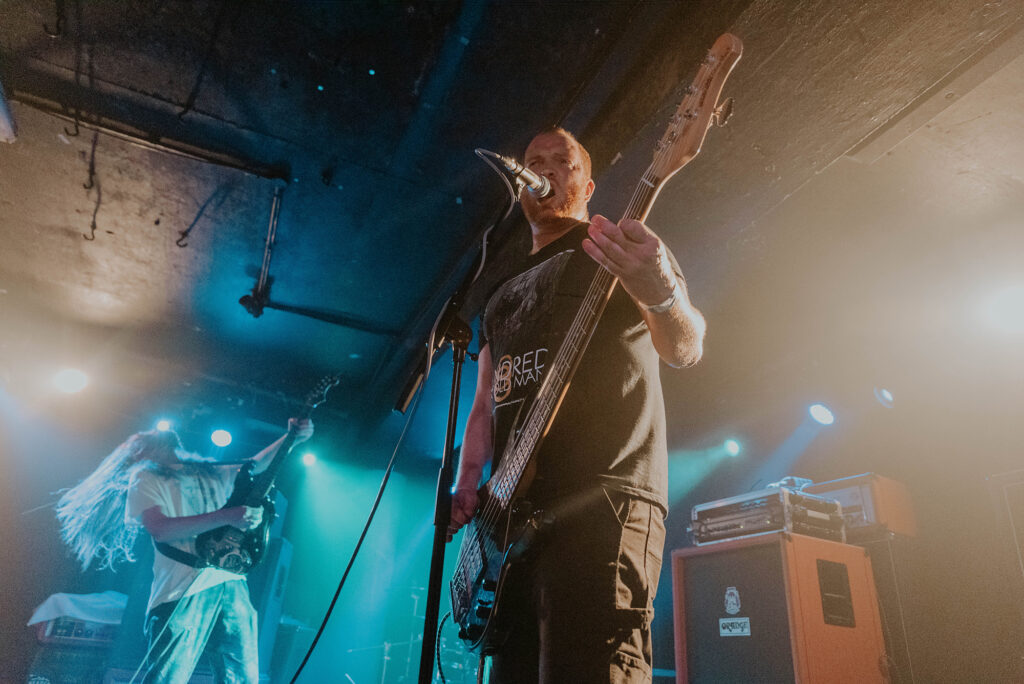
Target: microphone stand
<point>458,332</point>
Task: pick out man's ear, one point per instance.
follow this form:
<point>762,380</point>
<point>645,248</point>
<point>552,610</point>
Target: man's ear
<point>590,188</point>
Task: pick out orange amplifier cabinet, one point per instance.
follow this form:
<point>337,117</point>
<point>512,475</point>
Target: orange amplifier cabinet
<point>872,505</point>
<point>776,607</point>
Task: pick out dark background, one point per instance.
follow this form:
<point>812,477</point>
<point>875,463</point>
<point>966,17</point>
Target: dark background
<point>846,232</point>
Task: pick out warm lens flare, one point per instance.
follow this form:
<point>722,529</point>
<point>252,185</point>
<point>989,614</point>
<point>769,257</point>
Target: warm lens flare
<point>70,380</point>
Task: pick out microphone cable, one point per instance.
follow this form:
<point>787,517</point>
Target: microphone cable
<point>513,197</point>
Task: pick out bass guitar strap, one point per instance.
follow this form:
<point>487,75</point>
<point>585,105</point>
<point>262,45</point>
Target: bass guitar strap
<point>183,557</point>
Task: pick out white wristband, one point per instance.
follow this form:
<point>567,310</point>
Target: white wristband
<point>664,306</point>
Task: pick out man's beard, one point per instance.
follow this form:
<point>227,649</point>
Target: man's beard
<point>573,204</point>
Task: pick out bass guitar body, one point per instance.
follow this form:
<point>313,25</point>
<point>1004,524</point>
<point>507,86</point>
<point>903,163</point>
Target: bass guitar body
<point>489,556</point>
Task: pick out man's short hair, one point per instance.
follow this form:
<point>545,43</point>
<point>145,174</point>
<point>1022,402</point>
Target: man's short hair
<point>584,155</point>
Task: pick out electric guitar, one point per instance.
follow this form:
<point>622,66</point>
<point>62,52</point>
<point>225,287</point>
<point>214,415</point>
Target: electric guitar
<point>503,526</point>
<point>232,549</point>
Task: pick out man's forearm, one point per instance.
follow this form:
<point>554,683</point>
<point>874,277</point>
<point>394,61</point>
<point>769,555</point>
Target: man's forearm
<point>164,529</point>
<point>678,333</point>
<point>475,453</point>
<point>266,456</point>
<point>476,442</point>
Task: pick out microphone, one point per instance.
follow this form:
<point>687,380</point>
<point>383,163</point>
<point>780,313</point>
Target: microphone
<point>539,186</point>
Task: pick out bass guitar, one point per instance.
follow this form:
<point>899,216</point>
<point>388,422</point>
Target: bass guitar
<point>228,547</point>
<point>503,526</point>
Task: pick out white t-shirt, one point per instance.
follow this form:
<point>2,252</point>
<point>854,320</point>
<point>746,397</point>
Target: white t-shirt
<point>176,496</point>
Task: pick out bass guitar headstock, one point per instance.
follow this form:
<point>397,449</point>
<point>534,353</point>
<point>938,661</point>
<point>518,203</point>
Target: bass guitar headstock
<point>689,125</point>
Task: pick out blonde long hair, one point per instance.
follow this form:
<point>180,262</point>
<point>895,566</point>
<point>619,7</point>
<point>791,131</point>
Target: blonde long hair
<point>92,513</point>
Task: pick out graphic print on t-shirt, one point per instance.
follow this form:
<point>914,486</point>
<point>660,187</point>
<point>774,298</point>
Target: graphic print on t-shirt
<point>515,314</point>
<point>513,371</point>
<point>523,340</point>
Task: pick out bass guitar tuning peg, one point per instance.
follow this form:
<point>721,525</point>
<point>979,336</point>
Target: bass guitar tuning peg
<point>723,112</point>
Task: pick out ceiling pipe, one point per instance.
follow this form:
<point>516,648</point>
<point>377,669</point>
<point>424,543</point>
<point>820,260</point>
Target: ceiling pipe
<point>156,142</point>
<point>259,298</point>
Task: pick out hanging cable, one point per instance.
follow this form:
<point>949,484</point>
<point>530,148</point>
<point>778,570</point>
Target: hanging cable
<point>362,536</point>
<point>437,648</point>
<point>512,202</point>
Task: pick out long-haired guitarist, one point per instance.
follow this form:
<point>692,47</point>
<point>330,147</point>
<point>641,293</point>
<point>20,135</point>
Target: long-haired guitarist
<point>152,482</point>
<point>578,607</point>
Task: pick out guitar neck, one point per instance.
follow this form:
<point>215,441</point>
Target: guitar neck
<point>264,482</point>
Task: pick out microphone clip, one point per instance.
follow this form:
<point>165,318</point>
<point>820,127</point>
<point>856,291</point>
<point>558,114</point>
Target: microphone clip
<point>537,185</point>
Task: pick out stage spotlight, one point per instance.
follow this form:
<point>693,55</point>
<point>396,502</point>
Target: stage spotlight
<point>884,397</point>
<point>822,414</point>
<point>308,458</point>
<point>70,380</point>
<point>732,447</point>
<point>1006,309</point>
<point>221,438</point>
<point>163,425</point>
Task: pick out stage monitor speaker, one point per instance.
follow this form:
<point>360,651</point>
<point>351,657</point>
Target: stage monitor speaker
<point>776,608</point>
<point>293,640</point>
<point>267,583</point>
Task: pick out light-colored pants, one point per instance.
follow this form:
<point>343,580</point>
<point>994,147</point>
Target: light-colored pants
<point>220,621</point>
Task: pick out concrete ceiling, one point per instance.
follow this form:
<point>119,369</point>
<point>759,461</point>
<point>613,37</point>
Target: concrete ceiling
<point>120,229</point>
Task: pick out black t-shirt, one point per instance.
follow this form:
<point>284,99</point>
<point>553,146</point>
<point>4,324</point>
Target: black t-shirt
<point>610,429</point>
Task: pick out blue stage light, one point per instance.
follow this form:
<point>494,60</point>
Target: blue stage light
<point>732,447</point>
<point>884,397</point>
<point>70,380</point>
<point>308,458</point>
<point>163,425</point>
<point>822,414</point>
<point>221,438</point>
